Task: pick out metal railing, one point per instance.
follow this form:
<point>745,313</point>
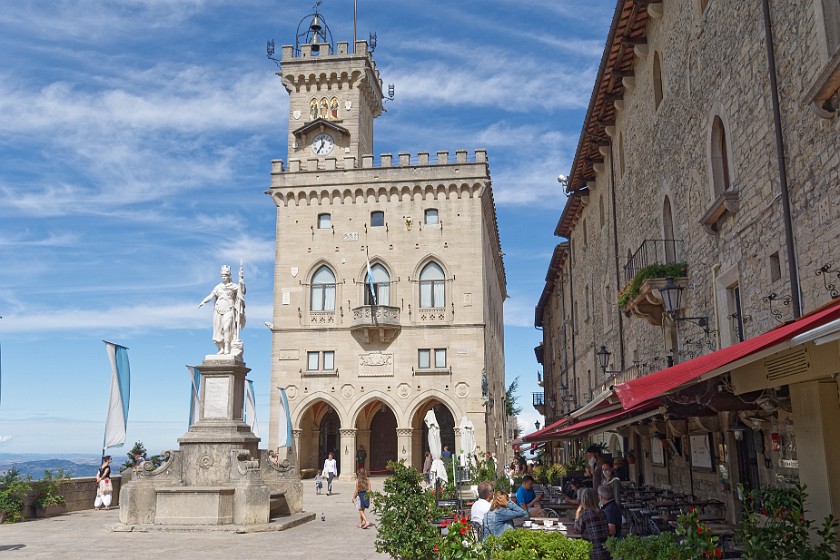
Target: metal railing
<point>538,399</point>
<point>652,251</point>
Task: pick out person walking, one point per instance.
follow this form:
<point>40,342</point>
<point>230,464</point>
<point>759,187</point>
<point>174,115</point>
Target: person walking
<point>361,499</point>
<point>104,489</point>
<point>330,470</point>
<point>361,457</point>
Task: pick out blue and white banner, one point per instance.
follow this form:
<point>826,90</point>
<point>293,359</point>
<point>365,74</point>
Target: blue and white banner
<point>195,396</point>
<point>284,426</point>
<point>117,420</point>
<point>251,408</point>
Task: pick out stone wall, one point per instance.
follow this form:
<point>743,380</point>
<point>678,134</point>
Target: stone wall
<point>80,494</point>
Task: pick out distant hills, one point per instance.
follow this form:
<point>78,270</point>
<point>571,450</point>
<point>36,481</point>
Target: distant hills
<point>34,464</point>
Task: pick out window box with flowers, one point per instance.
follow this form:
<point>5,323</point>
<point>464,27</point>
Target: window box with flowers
<point>641,296</point>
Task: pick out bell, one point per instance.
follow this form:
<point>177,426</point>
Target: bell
<point>315,26</point>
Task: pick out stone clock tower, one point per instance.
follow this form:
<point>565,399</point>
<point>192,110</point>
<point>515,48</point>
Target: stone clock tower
<point>334,98</point>
<point>389,280</point>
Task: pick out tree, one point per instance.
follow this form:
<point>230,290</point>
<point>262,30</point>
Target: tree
<point>511,406</point>
<point>140,449</point>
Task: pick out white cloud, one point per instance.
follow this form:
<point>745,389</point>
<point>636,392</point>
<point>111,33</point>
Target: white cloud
<point>249,249</point>
<point>519,312</point>
<point>6,439</point>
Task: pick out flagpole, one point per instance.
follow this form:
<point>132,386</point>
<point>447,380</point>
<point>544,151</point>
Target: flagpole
<point>354,25</point>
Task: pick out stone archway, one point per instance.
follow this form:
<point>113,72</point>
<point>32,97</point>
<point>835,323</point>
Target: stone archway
<point>420,438</point>
<point>319,425</point>
<point>376,426</point>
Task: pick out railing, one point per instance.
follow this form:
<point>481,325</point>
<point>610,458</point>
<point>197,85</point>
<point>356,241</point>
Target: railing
<point>376,316</point>
<point>628,374</point>
<point>652,251</point>
<point>538,400</point>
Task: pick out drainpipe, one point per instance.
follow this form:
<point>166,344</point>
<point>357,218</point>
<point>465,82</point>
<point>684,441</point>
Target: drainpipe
<point>615,248</point>
<point>572,311</point>
<point>793,265</point>
<point>565,407</point>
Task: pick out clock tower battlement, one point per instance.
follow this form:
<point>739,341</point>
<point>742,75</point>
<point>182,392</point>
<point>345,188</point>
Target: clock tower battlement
<point>334,96</point>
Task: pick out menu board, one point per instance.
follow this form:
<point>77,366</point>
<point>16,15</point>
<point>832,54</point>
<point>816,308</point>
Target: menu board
<point>701,453</point>
<point>657,452</point>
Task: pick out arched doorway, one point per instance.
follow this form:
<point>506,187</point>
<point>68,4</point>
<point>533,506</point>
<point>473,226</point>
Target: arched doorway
<point>377,432</point>
<point>421,433</point>
<point>319,427</point>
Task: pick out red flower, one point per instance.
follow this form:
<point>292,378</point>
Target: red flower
<point>463,520</point>
<point>718,553</point>
<point>699,530</point>
<point>463,530</point>
<point>691,509</point>
<point>445,523</point>
<point>763,511</point>
<point>435,549</point>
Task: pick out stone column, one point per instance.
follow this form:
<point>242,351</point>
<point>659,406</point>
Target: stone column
<point>347,448</point>
<point>405,451</point>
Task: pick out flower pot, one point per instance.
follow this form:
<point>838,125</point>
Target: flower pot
<point>50,511</point>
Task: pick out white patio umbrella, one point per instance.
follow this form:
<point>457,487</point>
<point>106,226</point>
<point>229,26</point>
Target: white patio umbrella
<point>438,468</point>
<point>468,440</point>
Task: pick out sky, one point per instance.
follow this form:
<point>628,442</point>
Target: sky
<point>135,147</point>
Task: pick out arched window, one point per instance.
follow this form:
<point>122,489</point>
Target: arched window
<point>620,156</point>
<point>381,286</point>
<point>432,291</point>
<point>720,158</point>
<point>657,80</point>
<point>601,214</point>
<point>668,232</point>
<point>323,290</point>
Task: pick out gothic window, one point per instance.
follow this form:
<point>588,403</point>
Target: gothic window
<point>324,221</point>
<point>431,216</point>
<point>657,80</point>
<point>377,218</point>
<point>322,290</point>
<point>381,286</point>
<point>720,158</point>
<point>586,297</point>
<point>432,282</point>
<point>668,232</point>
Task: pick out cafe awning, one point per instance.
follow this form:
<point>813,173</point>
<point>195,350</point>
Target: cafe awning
<point>543,435</point>
<point>609,420</point>
<point>638,391</point>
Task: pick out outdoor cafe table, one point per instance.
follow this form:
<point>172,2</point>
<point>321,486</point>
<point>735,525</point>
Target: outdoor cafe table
<point>569,531</point>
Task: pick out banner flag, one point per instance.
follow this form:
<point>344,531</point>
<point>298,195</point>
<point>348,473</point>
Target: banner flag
<point>195,397</point>
<point>284,427</point>
<point>117,420</point>
<point>251,408</point>
<point>370,282</point>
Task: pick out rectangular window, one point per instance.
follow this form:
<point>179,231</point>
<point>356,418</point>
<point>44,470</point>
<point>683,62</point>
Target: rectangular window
<point>431,216</point>
<point>775,267</point>
<point>440,358</point>
<point>324,221</point>
<point>423,359</point>
<point>329,361</point>
<point>377,219</point>
<point>312,361</point>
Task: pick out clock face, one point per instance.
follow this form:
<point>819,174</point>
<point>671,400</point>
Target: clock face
<point>323,144</point>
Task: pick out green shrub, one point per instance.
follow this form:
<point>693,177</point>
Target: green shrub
<point>524,544</point>
<point>48,489</point>
<point>631,290</point>
<point>13,490</point>
<point>406,513</point>
<point>632,547</point>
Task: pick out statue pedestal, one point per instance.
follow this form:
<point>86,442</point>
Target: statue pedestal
<point>219,476</point>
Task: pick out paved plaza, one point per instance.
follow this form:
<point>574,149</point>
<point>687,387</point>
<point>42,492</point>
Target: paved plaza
<point>87,535</point>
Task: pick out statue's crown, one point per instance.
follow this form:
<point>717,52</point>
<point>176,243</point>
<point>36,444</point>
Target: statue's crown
<point>226,269</point>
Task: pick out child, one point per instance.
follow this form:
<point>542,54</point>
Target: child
<point>319,482</point>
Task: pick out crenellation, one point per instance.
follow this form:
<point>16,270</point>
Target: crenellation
<point>442,157</point>
<point>277,166</point>
<point>460,156</point>
<point>385,160</point>
<point>405,159</point>
<point>423,158</point>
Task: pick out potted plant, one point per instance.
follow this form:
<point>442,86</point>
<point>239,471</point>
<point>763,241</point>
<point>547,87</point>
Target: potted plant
<point>13,490</point>
<point>50,501</point>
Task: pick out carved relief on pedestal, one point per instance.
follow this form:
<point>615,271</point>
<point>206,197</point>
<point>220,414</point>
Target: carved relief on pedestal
<point>376,364</point>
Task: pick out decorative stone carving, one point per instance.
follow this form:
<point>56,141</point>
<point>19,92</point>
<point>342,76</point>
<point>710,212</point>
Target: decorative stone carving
<point>462,390</point>
<point>404,390</point>
<point>406,432</point>
<point>347,391</point>
<point>376,364</point>
<point>206,462</point>
<point>291,392</point>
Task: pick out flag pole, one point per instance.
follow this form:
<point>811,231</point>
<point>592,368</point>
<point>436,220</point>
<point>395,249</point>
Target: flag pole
<point>354,25</point>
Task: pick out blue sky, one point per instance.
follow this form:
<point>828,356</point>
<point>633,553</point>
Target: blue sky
<point>135,146</point>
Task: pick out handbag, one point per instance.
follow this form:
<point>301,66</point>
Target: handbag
<point>105,486</point>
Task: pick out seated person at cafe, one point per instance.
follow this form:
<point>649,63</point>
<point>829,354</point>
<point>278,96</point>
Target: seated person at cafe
<point>611,479</point>
<point>526,497</point>
<point>612,511</point>
<point>576,490</point>
<point>501,515</point>
<point>482,504</point>
<point>592,524</point>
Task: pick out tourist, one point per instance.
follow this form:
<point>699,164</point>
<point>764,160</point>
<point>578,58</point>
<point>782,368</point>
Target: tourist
<point>427,468</point>
<point>611,509</point>
<point>361,456</point>
<point>446,455</point>
<point>595,462</point>
<point>104,488</point>
<point>577,491</point>
<point>330,470</point>
<point>611,480</point>
<point>526,497</point>
<point>319,482</point>
<point>361,499</point>
<point>501,515</point>
<point>482,504</point>
<point>592,524</point>
<point>522,464</point>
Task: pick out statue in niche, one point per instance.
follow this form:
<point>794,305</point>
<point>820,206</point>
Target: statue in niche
<point>313,109</point>
<point>324,108</point>
<point>228,312</point>
<point>334,108</point>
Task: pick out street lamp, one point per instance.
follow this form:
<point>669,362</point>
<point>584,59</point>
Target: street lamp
<point>537,425</point>
<point>603,356</point>
<point>671,294</point>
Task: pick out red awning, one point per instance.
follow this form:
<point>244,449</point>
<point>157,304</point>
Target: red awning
<point>664,381</point>
<point>540,434</point>
<point>592,424</point>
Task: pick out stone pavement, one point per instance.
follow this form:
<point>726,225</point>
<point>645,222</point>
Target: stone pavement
<point>86,535</point>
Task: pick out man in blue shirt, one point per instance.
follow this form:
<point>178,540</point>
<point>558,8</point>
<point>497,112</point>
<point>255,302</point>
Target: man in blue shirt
<point>611,510</point>
<point>526,497</point>
<point>446,455</point>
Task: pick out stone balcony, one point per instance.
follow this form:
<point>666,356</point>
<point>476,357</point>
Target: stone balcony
<point>380,321</point>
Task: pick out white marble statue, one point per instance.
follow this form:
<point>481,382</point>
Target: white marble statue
<point>228,312</point>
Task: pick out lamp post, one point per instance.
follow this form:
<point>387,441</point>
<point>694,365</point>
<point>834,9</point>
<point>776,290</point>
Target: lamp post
<point>537,425</point>
<point>603,356</point>
<point>671,295</point>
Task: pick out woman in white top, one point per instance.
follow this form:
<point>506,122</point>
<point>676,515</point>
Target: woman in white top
<point>330,471</point>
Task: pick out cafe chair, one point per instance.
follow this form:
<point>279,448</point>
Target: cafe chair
<point>547,512</point>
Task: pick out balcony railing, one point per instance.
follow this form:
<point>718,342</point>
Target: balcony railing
<point>382,320</point>
<point>652,251</point>
<point>628,374</point>
<point>538,400</point>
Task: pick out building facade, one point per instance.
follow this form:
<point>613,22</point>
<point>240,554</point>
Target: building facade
<point>389,280</point>
<point>710,153</point>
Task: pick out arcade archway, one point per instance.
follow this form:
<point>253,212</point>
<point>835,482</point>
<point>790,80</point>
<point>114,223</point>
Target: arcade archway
<point>420,438</point>
<point>376,432</point>
<point>319,426</point>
